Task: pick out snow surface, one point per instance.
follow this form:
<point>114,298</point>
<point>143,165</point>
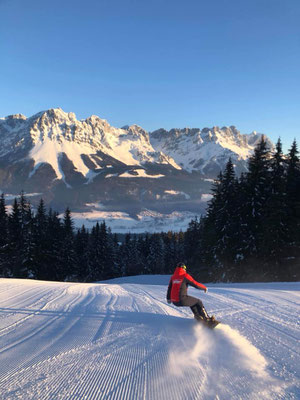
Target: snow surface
<point>141,173</point>
<point>145,221</point>
<point>120,340</point>
<point>14,196</point>
<point>206,196</point>
<point>177,193</point>
<point>48,151</point>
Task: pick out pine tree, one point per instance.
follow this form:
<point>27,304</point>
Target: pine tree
<point>132,263</point>
<point>169,246</point>
<point>53,241</point>
<point>26,240</point>
<point>191,240</point>
<point>116,268</point>
<point>275,230</point>
<point>3,221</point>
<point>40,240</point>
<point>258,192</point>
<point>28,243</point>
<point>155,259</point>
<point>20,243</point>
<point>293,219</point>
<point>242,244</point>
<point>68,266</point>
<point>143,249</point>
<point>81,250</point>
<point>293,191</point>
<point>226,222</point>
<point>199,267</point>
<point>180,253</point>
<point>15,240</point>
<point>95,256</point>
<point>107,249</point>
<point>210,234</point>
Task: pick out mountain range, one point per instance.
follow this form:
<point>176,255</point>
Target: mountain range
<point>82,162</point>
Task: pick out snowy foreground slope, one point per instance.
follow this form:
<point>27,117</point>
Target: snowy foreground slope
<point>120,340</point>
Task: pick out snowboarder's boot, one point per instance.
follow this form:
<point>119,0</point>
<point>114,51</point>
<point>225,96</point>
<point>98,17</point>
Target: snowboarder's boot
<point>200,313</point>
<point>197,316</point>
<point>203,313</point>
<point>212,322</point>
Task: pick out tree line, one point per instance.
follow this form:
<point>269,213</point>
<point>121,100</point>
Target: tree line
<point>43,246</point>
<point>251,232</point>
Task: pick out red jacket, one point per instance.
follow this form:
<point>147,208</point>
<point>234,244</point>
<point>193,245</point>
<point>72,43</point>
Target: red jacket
<point>179,283</point>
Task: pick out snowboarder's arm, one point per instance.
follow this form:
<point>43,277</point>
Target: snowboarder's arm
<point>195,284</point>
<point>169,291</point>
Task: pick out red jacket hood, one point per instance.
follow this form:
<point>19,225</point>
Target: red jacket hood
<point>179,272</point>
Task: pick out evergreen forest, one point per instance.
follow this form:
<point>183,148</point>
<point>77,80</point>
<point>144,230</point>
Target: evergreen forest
<point>250,233</point>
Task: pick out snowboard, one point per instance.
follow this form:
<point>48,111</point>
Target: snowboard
<point>208,324</point>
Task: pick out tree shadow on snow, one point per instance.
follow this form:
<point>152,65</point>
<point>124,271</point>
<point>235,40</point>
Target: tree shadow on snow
<point>125,317</point>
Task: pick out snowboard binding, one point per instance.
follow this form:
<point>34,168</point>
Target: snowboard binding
<point>208,322</point>
<point>200,314</point>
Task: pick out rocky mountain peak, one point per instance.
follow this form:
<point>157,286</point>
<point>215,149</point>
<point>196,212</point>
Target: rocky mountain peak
<point>95,120</point>
<point>89,160</point>
<point>136,132</point>
<point>16,117</point>
<point>11,124</point>
<point>54,136</point>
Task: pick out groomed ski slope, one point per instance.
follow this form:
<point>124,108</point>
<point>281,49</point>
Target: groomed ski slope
<point>121,340</point>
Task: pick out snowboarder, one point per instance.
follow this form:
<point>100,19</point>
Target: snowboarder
<point>177,294</point>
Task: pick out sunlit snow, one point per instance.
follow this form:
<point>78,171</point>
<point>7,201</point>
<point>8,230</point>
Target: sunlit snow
<point>121,340</point>
<point>56,132</point>
<point>49,150</point>
<point>176,193</point>
<point>141,173</point>
<point>145,221</point>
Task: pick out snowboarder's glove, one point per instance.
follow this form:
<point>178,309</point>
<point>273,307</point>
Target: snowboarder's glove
<point>169,301</point>
<point>205,290</point>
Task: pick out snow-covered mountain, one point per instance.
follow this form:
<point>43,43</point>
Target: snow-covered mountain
<point>121,340</point>
<point>206,150</point>
<point>88,161</point>
<point>48,136</point>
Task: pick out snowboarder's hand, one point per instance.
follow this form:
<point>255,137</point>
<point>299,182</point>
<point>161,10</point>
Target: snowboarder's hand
<point>205,290</point>
<point>169,301</point>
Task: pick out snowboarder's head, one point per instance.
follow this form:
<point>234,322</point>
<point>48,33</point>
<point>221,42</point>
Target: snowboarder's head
<point>181,265</point>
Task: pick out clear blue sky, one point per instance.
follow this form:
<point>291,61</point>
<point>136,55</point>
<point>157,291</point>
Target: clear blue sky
<point>166,63</point>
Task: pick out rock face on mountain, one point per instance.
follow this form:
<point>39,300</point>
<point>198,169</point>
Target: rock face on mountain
<point>206,150</point>
<point>75,162</point>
